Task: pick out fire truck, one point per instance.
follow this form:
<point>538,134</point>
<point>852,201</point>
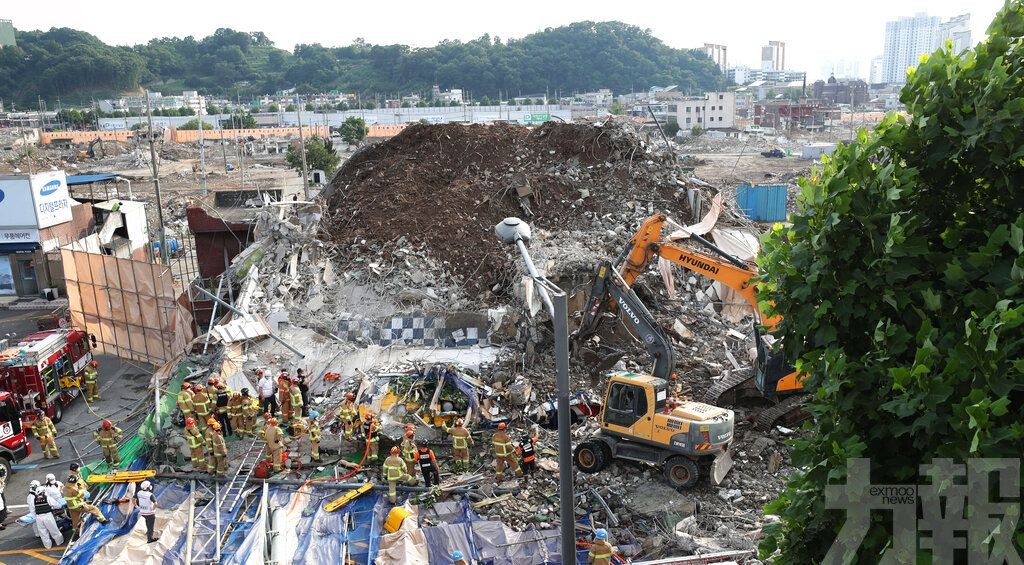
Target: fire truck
<point>42,372</point>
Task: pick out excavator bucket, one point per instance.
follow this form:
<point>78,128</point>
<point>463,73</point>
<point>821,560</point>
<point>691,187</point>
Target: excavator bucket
<point>599,359</point>
<point>720,467</point>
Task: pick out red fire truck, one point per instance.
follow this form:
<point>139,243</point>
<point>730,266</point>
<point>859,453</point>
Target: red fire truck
<point>43,371</point>
<point>14,445</point>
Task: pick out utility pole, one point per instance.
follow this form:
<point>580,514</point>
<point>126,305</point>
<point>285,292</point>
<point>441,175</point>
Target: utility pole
<point>164,259</point>
<point>202,147</point>
<point>302,150</point>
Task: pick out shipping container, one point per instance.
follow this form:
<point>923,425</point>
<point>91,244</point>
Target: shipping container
<point>762,202</point>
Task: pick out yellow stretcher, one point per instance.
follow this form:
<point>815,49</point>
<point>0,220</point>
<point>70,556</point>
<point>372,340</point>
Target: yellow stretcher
<point>348,497</point>
<point>122,477</point>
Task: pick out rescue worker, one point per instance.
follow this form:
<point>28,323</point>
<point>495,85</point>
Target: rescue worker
<point>147,504</point>
<point>223,396</point>
<point>196,444</point>
<point>200,406</point>
<point>74,495</point>
<point>284,395</point>
<point>265,387</point>
<point>217,450</point>
<point>295,398</point>
<point>371,431</point>
<point>601,551</point>
<point>528,451</point>
<point>107,436</point>
<point>185,400</point>
<point>89,377</point>
<point>297,442</point>
<point>300,381</point>
<point>275,446</point>
<point>211,388</point>
<point>428,466</point>
<point>409,452</point>
<point>394,471</point>
<point>458,558</point>
<point>461,441</point>
<point>315,434</point>
<point>504,454</point>
<point>40,507</point>
<point>348,413</point>
<point>250,407</point>
<point>46,434</point>
<point>235,413</point>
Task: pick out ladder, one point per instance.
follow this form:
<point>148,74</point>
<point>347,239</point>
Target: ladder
<point>236,488</point>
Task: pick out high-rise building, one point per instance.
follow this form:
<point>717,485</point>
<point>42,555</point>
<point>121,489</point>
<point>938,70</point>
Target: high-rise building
<point>7,33</point>
<point>907,38</point>
<point>843,68</point>
<point>718,54</point>
<point>773,56</point>
<point>875,76</point>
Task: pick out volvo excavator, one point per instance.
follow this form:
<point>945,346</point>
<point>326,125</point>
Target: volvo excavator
<point>774,379</point>
<point>640,421</point>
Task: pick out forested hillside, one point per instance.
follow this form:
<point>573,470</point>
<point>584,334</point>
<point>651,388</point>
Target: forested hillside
<point>579,57</point>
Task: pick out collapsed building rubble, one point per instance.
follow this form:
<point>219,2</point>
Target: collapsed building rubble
<point>392,287</point>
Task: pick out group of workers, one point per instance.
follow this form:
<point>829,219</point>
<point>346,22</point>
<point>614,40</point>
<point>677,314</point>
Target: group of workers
<point>46,500</point>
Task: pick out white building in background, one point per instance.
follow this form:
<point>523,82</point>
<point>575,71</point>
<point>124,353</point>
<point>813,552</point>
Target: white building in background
<point>843,68</point>
<point>603,97</point>
<point>718,54</point>
<point>773,56</point>
<point>875,75</point>
<point>714,110</point>
<point>907,38</point>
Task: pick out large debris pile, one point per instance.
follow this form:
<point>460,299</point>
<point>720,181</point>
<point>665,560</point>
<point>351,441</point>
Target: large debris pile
<point>441,189</point>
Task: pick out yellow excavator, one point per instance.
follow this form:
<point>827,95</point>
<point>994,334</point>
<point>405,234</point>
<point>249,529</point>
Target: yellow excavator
<point>641,421</point>
<point>774,379</point>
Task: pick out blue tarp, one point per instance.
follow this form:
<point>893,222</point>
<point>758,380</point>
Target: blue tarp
<point>74,180</point>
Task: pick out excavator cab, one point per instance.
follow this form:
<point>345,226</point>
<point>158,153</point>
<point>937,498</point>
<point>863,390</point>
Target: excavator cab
<point>774,377</point>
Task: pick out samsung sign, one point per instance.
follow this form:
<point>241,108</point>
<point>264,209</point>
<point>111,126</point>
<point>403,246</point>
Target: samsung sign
<point>34,203</point>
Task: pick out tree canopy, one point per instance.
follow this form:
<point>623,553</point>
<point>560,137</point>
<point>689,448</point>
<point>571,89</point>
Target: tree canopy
<point>320,154</point>
<point>901,283</point>
<point>579,57</point>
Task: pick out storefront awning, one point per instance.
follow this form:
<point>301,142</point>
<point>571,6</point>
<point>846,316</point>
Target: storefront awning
<point>24,247</point>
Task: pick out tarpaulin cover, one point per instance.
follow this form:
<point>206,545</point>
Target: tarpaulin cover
<point>498,544</point>
<point>133,548</point>
<point>323,535</point>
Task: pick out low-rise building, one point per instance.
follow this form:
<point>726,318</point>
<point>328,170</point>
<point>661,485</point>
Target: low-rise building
<point>714,110</point>
<point>602,97</point>
<point>833,91</point>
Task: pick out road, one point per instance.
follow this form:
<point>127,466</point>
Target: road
<point>122,386</point>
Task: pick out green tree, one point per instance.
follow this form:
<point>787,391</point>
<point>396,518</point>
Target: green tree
<point>353,130</point>
<point>671,128</point>
<point>320,154</point>
<point>139,125</point>
<point>900,281</point>
<point>255,108</point>
<point>273,108</point>
<point>341,106</point>
<point>310,107</point>
<point>194,125</point>
<point>369,106</point>
<point>406,105</point>
<point>485,101</point>
<point>186,111</point>
<point>422,104</point>
<point>616,108</point>
<point>212,109</point>
<point>696,131</point>
<point>240,120</point>
<point>289,108</point>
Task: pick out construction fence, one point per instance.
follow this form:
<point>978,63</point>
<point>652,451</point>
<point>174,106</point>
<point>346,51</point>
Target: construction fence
<point>133,308</point>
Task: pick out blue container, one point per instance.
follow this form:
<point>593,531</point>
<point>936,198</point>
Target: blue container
<point>172,245</point>
<point>762,202</point>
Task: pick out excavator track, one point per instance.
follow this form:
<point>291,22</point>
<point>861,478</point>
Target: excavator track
<point>789,411</point>
<point>727,387</point>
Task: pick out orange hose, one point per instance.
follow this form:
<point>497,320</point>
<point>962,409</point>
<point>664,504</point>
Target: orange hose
<point>366,452</point>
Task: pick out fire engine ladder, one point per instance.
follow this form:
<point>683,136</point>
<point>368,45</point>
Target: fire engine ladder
<point>220,509</point>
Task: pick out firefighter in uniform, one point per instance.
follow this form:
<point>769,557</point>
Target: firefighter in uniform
<point>218,465</point>
<point>394,471</point>
<point>250,408</point>
<point>504,454</point>
<point>185,400</point>
<point>74,494</point>
<point>428,466</point>
<point>295,398</point>
<point>284,395</point>
<point>315,434</point>
<point>273,436</point>
<point>371,431</point>
<point>461,442</point>
<point>92,386</point>
<point>348,413</point>
<point>211,388</point>
<point>223,397</point>
<point>409,452</point>
<point>196,444</point>
<point>200,406</point>
<point>46,434</point>
<point>601,551</point>
<point>528,451</point>
<point>235,413</point>
<point>107,436</point>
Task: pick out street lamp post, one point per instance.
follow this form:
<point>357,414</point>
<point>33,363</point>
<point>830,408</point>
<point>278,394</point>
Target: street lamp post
<point>514,231</point>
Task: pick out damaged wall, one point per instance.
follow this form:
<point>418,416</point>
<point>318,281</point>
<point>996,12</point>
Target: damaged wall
<point>133,308</point>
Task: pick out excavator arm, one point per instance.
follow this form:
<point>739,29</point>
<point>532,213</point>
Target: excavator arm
<point>609,285</point>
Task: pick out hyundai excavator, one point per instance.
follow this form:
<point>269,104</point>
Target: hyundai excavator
<point>640,422</point>
<point>774,379</point>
